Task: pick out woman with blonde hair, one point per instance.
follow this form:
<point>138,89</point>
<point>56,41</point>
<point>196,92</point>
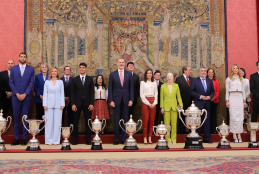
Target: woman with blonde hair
<point>236,102</point>
<point>53,103</point>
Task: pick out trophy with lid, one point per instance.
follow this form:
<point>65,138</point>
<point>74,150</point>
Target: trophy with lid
<point>193,121</point>
<point>96,128</point>
<point>130,143</point>
<point>223,131</point>
<point>253,127</point>
<point>3,123</point>
<point>162,131</point>
<point>66,134</point>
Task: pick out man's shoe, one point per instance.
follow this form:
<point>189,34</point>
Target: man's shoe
<point>74,143</point>
<point>122,142</point>
<point>23,143</point>
<point>88,143</point>
<point>210,142</point>
<point>116,143</point>
<point>15,142</point>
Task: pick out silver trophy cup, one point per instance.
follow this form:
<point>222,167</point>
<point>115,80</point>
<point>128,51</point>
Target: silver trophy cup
<point>97,128</point>
<point>66,134</point>
<point>253,127</point>
<point>223,131</point>
<point>34,144</point>
<point>3,123</point>
<point>193,122</point>
<point>162,131</point>
<point>130,143</point>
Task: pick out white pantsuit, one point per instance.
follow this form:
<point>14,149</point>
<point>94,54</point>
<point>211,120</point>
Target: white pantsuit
<point>53,98</point>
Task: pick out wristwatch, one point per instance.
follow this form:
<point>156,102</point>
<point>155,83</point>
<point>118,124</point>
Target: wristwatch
<point>6,92</point>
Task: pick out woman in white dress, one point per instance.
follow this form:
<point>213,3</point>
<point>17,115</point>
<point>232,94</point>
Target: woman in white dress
<point>236,102</point>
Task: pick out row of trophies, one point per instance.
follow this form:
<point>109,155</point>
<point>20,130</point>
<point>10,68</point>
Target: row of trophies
<point>192,140</point>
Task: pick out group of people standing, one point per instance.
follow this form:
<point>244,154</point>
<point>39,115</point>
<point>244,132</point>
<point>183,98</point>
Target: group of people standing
<point>54,95</point>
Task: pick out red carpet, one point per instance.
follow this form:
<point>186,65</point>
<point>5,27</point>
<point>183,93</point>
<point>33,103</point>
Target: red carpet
<point>121,150</point>
<point>109,138</point>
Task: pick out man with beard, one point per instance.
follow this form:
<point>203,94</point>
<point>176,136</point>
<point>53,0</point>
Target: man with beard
<point>21,83</point>
<point>121,97</point>
<point>5,89</point>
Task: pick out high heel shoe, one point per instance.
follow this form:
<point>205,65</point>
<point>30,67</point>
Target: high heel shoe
<point>149,140</point>
<point>146,142</point>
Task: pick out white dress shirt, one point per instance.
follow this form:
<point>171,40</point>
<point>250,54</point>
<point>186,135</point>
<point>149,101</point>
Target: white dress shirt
<point>22,69</point>
<point>204,81</point>
<point>148,89</point>
<point>186,77</point>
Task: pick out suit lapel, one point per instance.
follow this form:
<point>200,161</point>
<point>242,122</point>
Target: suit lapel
<point>118,77</point>
<point>185,81</point>
<point>25,71</point>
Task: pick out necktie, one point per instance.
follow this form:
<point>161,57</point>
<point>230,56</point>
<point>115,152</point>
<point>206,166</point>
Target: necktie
<point>22,71</point>
<point>83,81</point>
<point>66,81</point>
<point>121,78</point>
<point>188,81</point>
<point>204,86</point>
<point>9,74</point>
<point>157,83</point>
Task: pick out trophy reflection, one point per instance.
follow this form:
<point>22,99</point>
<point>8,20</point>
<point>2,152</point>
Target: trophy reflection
<point>3,123</point>
<point>34,144</point>
<point>66,134</point>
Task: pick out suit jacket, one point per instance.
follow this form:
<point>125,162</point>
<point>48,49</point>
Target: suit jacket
<point>67,87</point>
<point>53,96</point>
<point>184,89</point>
<point>79,92</point>
<point>136,86</point>
<point>167,99</point>
<point>38,86</point>
<point>158,96</point>
<point>254,86</point>
<point>116,92</point>
<point>197,90</point>
<point>21,84</point>
<point>4,85</point>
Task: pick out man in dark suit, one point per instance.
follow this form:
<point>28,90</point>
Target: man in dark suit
<point>21,83</point>
<point>121,97</point>
<point>184,82</point>
<point>254,88</point>
<point>202,91</point>
<point>67,80</point>
<point>157,76</point>
<point>136,86</point>
<point>82,98</point>
<point>5,90</point>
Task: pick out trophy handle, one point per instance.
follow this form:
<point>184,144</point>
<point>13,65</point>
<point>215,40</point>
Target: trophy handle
<point>104,124</point>
<point>9,123</point>
<point>120,124</point>
<point>24,118</point>
<point>168,132</point>
<point>89,124</point>
<point>179,113</point>
<point>139,126</point>
<point>203,110</point>
<point>72,128</point>
<point>154,130</point>
<point>44,119</point>
<point>217,129</point>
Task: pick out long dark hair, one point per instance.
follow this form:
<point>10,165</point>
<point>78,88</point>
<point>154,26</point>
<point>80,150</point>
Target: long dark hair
<point>145,75</point>
<point>96,84</point>
<point>214,74</point>
<point>244,72</point>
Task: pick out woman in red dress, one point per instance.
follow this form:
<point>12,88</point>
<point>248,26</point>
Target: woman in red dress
<point>100,102</point>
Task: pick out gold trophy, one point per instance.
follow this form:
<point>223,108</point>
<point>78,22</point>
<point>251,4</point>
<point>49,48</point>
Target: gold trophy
<point>3,123</point>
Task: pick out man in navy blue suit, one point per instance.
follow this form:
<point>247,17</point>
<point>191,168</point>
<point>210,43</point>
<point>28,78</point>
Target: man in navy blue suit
<point>121,97</point>
<point>202,91</point>
<point>21,83</point>
<point>67,80</point>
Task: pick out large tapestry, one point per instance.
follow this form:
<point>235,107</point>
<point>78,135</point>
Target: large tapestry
<point>161,35</point>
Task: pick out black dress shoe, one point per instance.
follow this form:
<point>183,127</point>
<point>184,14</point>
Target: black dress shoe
<point>88,143</point>
<point>15,142</point>
<point>122,142</point>
<point>210,142</point>
<point>23,143</point>
<point>116,143</point>
<point>74,143</point>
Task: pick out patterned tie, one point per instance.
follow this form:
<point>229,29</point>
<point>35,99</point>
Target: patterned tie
<point>121,78</point>
<point>204,86</point>
<point>83,81</point>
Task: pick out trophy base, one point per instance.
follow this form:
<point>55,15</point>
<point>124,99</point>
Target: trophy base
<point>66,147</point>
<point>96,147</point>
<point>224,145</point>
<point>29,148</point>
<point>253,144</point>
<point>193,143</point>
<point>130,148</point>
<point>162,145</point>
<point>2,146</point>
